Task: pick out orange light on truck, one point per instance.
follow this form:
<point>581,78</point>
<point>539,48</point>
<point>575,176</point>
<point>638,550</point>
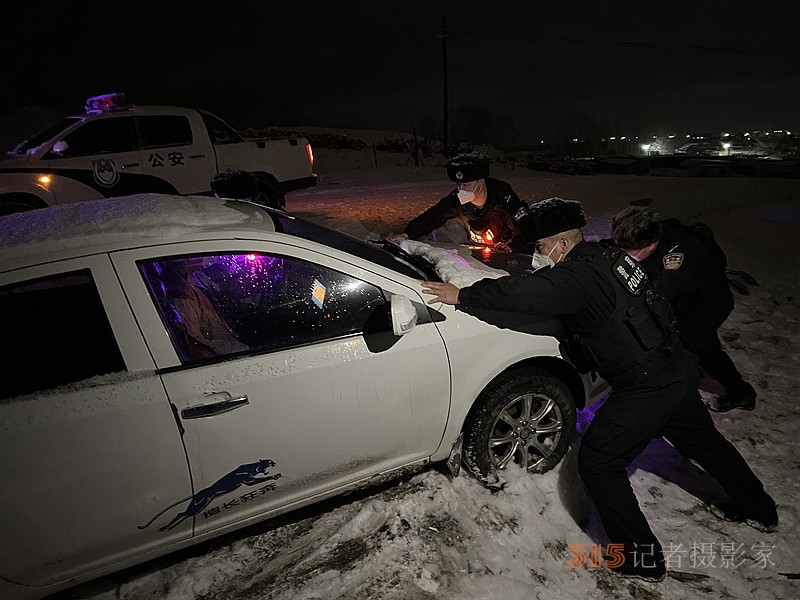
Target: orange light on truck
<point>310,153</point>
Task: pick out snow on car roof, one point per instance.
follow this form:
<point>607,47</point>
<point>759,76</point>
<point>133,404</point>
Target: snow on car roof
<point>116,223</point>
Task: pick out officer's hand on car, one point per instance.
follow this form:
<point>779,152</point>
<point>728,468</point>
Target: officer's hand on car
<point>442,292</point>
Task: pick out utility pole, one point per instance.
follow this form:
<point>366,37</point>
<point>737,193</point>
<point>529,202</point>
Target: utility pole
<point>445,125</point>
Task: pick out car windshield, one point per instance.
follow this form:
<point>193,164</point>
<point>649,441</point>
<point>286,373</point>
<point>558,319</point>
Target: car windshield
<point>45,135</point>
<point>382,252</point>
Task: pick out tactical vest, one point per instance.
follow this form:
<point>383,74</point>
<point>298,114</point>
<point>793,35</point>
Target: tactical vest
<point>642,321</point>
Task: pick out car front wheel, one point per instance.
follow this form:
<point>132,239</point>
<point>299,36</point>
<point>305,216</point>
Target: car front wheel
<point>525,417</point>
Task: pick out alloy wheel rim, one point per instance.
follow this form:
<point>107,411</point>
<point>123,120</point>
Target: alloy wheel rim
<point>526,432</point>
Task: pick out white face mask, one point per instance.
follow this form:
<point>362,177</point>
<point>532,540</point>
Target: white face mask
<point>465,196</point>
<point>540,261</point>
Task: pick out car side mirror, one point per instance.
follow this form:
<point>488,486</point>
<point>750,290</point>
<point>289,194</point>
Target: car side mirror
<point>60,147</point>
<point>404,315</point>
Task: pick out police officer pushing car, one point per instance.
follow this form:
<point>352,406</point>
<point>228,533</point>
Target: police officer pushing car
<point>488,208</point>
<point>624,328</point>
<point>690,268</point>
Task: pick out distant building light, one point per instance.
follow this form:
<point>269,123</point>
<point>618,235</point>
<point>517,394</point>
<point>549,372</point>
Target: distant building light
<point>688,135</point>
<point>670,136</point>
<point>613,137</point>
<point>726,145</point>
<point>746,135</point>
<point>788,133</point>
<point>645,147</point>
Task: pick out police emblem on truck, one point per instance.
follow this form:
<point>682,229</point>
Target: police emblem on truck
<point>105,172</point>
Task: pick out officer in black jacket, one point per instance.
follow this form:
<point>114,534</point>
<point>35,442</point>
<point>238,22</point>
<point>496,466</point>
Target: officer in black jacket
<point>615,314</point>
<point>488,208</point>
<point>690,268</point>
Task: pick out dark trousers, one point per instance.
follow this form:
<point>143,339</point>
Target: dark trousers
<point>699,335</point>
<point>668,405</point>
<point>716,362</point>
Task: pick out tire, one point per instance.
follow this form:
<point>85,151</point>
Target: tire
<point>14,203</point>
<point>272,189</point>
<point>525,416</point>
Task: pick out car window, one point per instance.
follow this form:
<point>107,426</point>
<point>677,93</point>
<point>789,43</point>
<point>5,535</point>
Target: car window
<point>102,137</point>
<point>55,331</point>
<point>164,130</point>
<point>218,131</point>
<point>227,304</point>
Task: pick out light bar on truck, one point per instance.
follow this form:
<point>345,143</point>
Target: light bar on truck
<point>108,103</point>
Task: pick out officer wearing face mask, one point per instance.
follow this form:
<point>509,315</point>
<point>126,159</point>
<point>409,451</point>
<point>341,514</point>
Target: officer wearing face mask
<point>624,328</point>
<point>489,208</point>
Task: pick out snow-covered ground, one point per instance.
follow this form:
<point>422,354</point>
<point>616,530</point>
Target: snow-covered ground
<point>431,536</point>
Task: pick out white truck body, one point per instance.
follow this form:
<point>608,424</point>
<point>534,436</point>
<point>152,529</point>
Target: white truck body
<point>121,149</point>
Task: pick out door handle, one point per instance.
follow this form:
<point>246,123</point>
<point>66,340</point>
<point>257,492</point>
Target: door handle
<point>197,156</point>
<point>126,165</point>
<point>214,408</point>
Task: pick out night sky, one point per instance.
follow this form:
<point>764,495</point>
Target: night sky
<point>641,67</point>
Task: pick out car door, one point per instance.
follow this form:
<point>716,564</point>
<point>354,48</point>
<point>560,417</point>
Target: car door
<point>90,448</point>
<point>303,391</point>
<point>101,153</point>
<point>171,151</point>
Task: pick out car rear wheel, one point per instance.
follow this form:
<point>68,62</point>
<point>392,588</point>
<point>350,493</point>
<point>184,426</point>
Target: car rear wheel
<point>525,417</point>
<point>271,188</point>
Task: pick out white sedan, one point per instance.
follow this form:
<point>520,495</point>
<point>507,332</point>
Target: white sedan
<point>179,367</point>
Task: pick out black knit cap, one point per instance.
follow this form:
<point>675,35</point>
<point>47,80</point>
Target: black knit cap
<point>552,216</point>
<point>469,166</point>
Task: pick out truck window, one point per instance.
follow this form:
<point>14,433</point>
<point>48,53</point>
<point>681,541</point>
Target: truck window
<point>218,130</point>
<point>164,130</point>
<point>103,136</point>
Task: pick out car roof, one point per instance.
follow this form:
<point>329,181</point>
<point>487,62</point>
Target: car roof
<point>97,226</point>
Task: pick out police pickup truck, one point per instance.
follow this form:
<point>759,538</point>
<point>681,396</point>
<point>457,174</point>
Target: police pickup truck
<point>116,149</point>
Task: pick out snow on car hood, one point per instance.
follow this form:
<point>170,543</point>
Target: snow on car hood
<point>450,265</point>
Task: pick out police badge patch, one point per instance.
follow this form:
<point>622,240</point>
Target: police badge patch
<point>105,172</point>
<point>673,261</point>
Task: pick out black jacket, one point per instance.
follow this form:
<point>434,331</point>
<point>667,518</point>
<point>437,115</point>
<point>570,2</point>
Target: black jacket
<point>497,214</point>
<point>690,268</point>
<point>583,296</point>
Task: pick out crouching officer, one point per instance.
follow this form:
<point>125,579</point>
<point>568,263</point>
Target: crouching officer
<point>690,268</point>
<point>488,208</point>
<point>608,304</point>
